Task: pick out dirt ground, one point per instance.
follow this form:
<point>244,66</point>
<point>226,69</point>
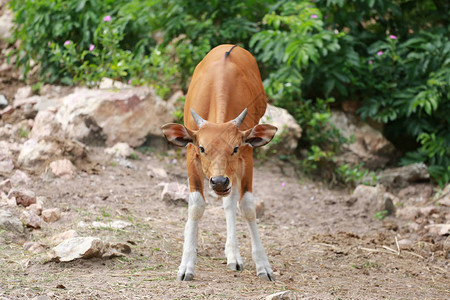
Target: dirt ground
<point>318,246</point>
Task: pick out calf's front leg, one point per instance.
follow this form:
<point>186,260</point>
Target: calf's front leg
<point>195,212</point>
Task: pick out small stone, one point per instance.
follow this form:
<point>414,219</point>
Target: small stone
<point>32,220</point>
<point>445,201</point>
<point>60,237</point>
<point>6,163</point>
<point>285,295</point>
<point>87,247</point>
<point>405,244</point>
<point>408,213</point>
<point>120,149</point>
<point>429,210</point>
<point>20,178</point>
<point>42,297</point>
<point>23,92</point>
<point>5,186</point>
<point>10,222</point>
<point>33,247</point>
<point>23,197</point>
<point>209,292</point>
<point>155,172</point>
<point>3,101</point>
<point>175,193</point>
<point>439,229</point>
<point>63,168</point>
<point>117,224</point>
<point>37,207</point>
<point>51,215</point>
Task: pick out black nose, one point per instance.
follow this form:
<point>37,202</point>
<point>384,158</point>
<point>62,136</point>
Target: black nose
<point>219,183</point>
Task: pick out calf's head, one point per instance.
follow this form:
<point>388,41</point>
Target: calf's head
<point>218,146</point>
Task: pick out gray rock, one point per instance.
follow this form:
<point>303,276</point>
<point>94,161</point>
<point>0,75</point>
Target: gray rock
<point>6,163</point>
<point>35,153</point>
<point>127,115</point>
<point>23,197</point>
<point>120,149</point>
<point>20,178</point>
<point>31,219</point>
<point>51,215</point>
<point>3,101</point>
<point>10,222</point>
<point>23,93</point>
<point>402,176</point>
<point>288,133</point>
<point>175,193</point>
<point>63,168</point>
<point>439,229</point>
<point>371,200</point>
<point>408,213</point>
<point>87,247</point>
<point>60,237</point>
<point>369,147</point>
<point>5,186</point>
<point>46,125</point>
<point>33,247</point>
<point>6,24</point>
<point>285,295</point>
<point>155,172</point>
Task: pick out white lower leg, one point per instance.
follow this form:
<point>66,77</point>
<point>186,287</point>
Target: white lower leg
<point>234,259</point>
<point>195,212</point>
<point>263,268</point>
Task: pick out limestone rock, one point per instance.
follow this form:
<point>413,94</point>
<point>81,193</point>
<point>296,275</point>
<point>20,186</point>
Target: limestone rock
<point>60,237</point>
<point>403,176</point>
<point>108,83</point>
<point>260,209</point>
<point>6,163</point>
<point>33,247</point>
<point>369,146</point>
<point>35,153</point>
<point>62,168</point>
<point>23,92</point>
<point>155,172</point>
<point>289,131</point>
<point>45,125</point>
<point>51,215</point>
<point>87,247</point>
<point>117,224</point>
<point>439,229</point>
<point>120,149</point>
<point>284,295</point>
<point>23,197</point>
<point>5,186</point>
<point>3,101</point>
<point>6,24</point>
<point>31,219</point>
<point>37,207</point>
<point>10,222</point>
<point>408,213</point>
<point>20,178</point>
<point>371,199</point>
<point>127,115</point>
<point>175,193</point>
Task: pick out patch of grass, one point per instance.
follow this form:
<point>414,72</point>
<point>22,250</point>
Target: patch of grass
<point>367,265</point>
<point>134,156</point>
<point>105,212</point>
<point>23,133</point>
<point>381,215</point>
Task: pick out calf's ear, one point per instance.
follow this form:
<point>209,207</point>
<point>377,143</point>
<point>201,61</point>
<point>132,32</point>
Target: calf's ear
<point>259,135</point>
<point>178,134</point>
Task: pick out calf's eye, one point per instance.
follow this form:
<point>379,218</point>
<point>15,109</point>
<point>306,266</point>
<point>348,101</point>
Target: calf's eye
<point>235,150</point>
<point>202,150</point>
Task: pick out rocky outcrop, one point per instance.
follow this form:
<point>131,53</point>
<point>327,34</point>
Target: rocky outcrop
<point>288,133</point>
<point>369,146</point>
<point>127,115</point>
<point>402,176</point>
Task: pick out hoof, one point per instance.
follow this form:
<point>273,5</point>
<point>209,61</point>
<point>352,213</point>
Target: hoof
<point>185,277</point>
<point>235,266</point>
<point>266,276</point>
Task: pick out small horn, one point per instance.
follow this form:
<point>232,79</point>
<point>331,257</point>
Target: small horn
<point>239,119</point>
<point>199,120</point>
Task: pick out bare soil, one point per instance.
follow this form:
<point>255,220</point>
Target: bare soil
<point>318,246</point>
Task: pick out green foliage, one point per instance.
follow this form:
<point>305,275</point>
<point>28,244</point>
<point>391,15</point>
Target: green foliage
<point>390,56</point>
<point>356,175</point>
<point>381,215</point>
